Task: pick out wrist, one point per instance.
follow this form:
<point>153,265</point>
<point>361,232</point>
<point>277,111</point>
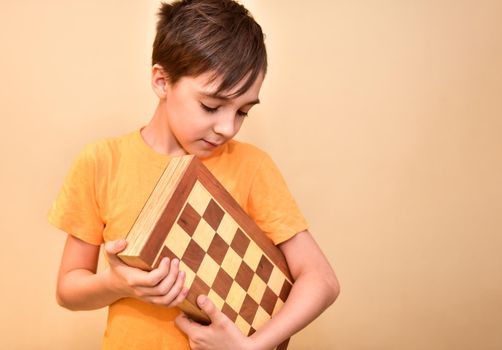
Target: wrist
<point>254,342</point>
<point>249,344</point>
<point>266,339</point>
<point>111,285</point>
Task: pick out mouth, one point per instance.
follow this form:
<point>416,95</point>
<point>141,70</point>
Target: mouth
<point>211,144</point>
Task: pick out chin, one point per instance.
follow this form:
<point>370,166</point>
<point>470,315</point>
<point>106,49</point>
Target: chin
<point>203,155</point>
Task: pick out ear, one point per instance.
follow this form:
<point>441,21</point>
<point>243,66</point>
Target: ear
<point>160,82</point>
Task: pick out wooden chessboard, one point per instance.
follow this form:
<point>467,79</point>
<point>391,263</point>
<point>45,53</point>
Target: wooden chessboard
<point>225,255</point>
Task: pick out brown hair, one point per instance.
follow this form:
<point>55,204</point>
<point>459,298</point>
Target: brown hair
<point>220,36</point>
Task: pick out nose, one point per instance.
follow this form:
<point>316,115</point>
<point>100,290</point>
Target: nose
<point>226,125</point>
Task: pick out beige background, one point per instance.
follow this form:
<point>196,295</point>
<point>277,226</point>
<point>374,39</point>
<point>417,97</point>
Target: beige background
<point>385,117</point>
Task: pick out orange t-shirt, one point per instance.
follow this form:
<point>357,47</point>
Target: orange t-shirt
<point>106,189</point>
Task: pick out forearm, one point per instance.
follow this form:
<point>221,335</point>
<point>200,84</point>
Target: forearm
<point>310,296</point>
<point>81,289</point>
<point>315,288</point>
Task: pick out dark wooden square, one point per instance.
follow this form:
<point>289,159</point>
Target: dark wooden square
<point>244,275</point>
<point>198,287</point>
<point>189,219</point>
<point>217,249</point>
<point>286,288</point>
<point>193,256</point>
<point>222,283</point>
<point>269,300</point>
<point>248,309</point>
<point>165,252</point>
<point>213,214</point>
<point>231,313</point>
<point>240,243</point>
<point>264,269</point>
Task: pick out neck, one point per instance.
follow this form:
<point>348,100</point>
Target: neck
<point>158,136</point>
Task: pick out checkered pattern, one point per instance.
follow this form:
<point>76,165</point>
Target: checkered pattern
<point>221,261</point>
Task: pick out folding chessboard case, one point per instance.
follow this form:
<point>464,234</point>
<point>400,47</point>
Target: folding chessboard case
<point>190,216</point>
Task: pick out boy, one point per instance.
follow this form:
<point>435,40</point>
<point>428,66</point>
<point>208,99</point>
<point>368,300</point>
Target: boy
<point>209,62</point>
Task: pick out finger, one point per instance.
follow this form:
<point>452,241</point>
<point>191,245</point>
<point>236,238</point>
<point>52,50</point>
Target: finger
<point>180,298</point>
<point>141,281</point>
<point>167,280</point>
<point>173,292</point>
<point>147,280</point>
<point>186,325</point>
<point>159,274</point>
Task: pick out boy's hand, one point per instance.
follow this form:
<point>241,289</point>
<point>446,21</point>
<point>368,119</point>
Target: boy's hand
<point>163,285</point>
<point>221,334</point>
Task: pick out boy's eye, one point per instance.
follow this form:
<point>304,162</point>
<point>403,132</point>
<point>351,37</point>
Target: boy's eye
<point>215,109</point>
<point>208,109</point>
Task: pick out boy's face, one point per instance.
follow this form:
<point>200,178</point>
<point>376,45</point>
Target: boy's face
<point>197,121</point>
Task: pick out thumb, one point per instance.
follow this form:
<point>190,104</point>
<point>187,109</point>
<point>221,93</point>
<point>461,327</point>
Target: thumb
<point>114,247</point>
<point>208,307</point>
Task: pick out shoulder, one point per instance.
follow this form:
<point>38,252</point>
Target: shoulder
<point>107,149</point>
<point>112,144</point>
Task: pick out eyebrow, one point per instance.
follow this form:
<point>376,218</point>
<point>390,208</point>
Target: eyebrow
<point>226,98</point>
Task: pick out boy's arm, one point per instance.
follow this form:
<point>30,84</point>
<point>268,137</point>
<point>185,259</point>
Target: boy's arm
<point>81,287</point>
<point>315,288</point>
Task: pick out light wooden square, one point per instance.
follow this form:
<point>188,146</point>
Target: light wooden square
<point>278,306</point>
<point>199,198</point>
<point>189,274</point>
<point>257,288</point>
<point>216,299</point>
<point>260,318</point>
<point>177,240</point>
<point>242,325</point>
<point>203,234</point>
<point>236,296</point>
<point>208,270</point>
<point>253,255</point>
<point>276,280</point>
<point>227,228</point>
<point>231,263</point>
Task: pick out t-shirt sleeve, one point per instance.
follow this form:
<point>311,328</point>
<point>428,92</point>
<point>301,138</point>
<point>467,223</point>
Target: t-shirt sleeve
<point>271,204</point>
<point>76,210</point>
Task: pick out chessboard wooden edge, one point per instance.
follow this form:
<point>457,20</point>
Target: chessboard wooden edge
<point>130,254</point>
<point>158,235</point>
